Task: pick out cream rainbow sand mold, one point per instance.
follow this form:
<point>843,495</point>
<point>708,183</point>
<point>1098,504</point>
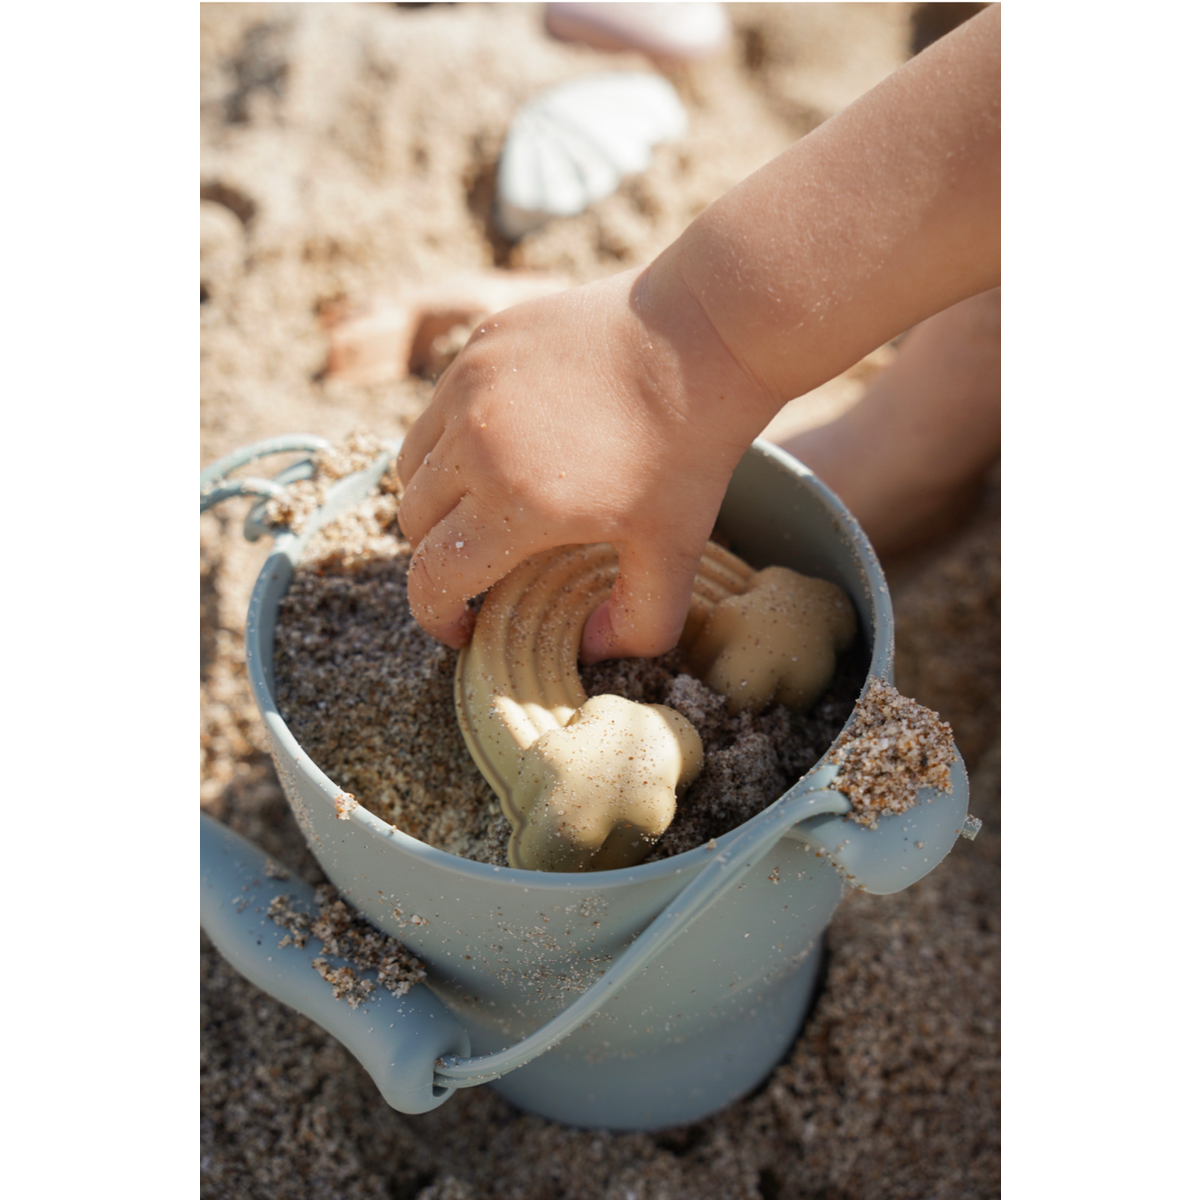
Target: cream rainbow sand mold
<point>591,784</point>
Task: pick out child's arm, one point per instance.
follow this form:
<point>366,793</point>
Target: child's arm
<point>617,412</point>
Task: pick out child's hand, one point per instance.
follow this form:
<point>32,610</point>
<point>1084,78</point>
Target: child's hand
<point>583,417</point>
<point>618,411</point>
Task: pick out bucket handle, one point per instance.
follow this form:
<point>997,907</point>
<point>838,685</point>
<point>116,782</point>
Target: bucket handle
<point>415,1051</point>
<point>714,880</point>
<point>398,1040</point>
<point>215,487</point>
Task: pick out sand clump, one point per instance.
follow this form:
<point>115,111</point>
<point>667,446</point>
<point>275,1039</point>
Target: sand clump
<point>303,497</point>
<point>372,959</point>
<point>892,748</point>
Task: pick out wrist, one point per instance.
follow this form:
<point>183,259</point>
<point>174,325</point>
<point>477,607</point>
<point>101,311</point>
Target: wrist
<point>689,363</point>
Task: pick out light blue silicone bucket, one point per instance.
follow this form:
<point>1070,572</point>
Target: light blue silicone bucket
<point>629,999</point>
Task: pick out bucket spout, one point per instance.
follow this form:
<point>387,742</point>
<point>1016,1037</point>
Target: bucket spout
<point>397,1039</point>
<point>904,848</point>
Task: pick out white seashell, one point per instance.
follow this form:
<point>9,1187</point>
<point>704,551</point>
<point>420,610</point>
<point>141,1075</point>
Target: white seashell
<point>573,144</point>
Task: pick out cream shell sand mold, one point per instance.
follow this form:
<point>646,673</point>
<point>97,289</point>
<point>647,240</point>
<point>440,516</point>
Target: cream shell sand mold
<point>590,784</point>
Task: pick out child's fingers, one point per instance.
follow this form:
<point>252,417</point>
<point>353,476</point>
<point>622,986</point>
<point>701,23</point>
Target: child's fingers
<point>646,613</point>
<point>460,557</point>
<point>598,638</point>
<point>430,495</point>
<point>419,442</point>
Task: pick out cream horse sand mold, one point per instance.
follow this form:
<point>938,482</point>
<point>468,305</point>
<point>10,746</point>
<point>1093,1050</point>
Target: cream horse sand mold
<point>591,784</point>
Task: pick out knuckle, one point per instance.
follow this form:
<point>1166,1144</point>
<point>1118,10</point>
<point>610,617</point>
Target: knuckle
<point>406,516</point>
<point>422,585</point>
<point>408,463</point>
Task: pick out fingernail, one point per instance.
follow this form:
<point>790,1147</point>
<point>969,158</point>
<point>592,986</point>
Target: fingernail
<point>457,635</point>
<point>599,641</point>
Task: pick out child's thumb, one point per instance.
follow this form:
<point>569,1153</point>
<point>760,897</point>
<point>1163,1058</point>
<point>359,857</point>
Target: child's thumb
<point>646,612</point>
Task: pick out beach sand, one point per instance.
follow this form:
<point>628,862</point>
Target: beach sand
<point>347,164</point>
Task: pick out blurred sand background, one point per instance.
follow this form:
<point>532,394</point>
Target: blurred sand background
<point>348,155</point>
